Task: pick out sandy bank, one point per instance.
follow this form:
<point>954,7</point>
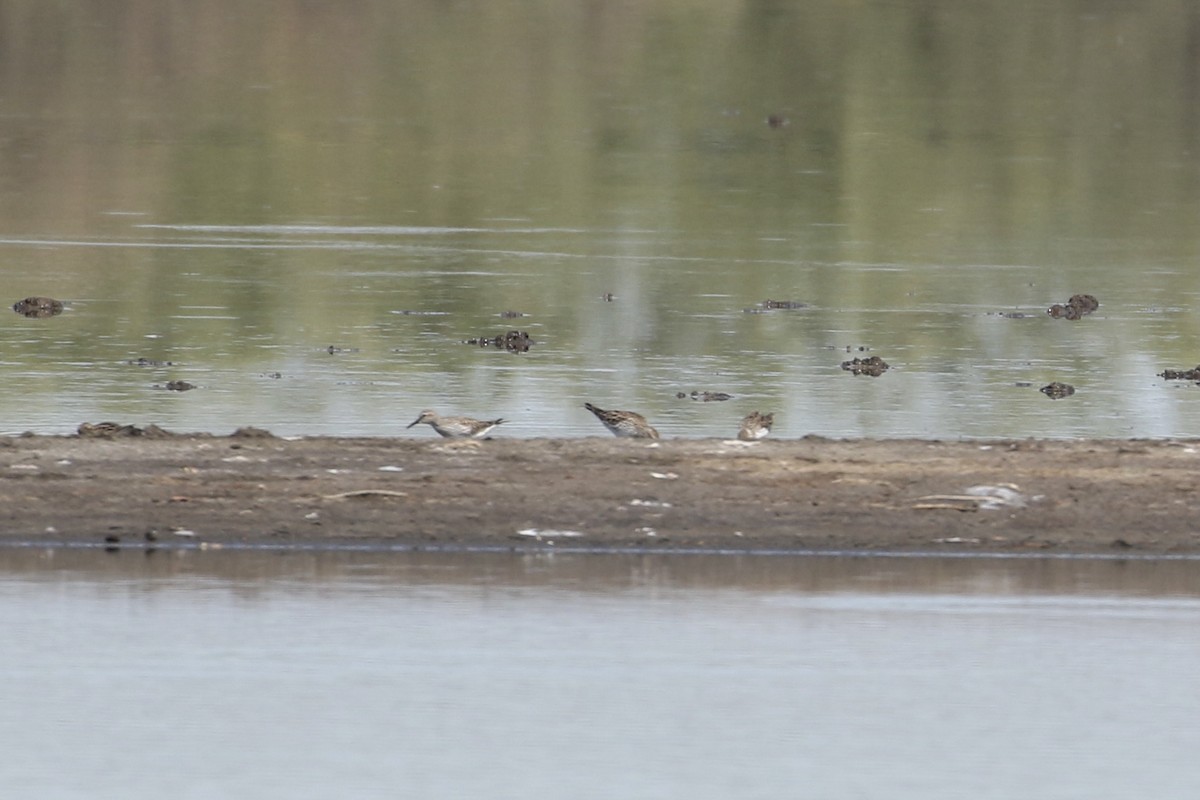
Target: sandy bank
<point>1135,497</point>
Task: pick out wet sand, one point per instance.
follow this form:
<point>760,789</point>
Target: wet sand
<point>1098,496</point>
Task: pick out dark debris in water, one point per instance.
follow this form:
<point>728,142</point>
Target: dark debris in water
<point>38,307</point>
<point>513,341</point>
<point>1192,374</point>
<point>512,314</point>
<point>176,386</point>
<point>250,432</point>
<point>1057,390</point>
<point>113,430</point>
<point>705,397</point>
<point>874,366</point>
<point>150,362</point>
<point>1079,306</point>
<point>775,305</point>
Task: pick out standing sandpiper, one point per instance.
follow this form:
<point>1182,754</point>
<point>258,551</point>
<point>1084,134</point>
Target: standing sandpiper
<point>624,423</point>
<point>755,426</point>
<point>456,427</point>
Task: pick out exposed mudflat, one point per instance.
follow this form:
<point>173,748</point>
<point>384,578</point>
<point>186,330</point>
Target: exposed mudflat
<point>1106,496</point>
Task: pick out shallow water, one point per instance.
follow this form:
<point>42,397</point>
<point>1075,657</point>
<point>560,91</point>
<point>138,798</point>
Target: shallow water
<point>236,189</point>
<point>190,674</point>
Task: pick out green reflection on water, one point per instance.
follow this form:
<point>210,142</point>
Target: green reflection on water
<point>932,163</point>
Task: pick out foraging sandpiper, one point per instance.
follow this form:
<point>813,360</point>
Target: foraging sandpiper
<point>755,426</point>
<point>456,427</point>
<point>624,423</point>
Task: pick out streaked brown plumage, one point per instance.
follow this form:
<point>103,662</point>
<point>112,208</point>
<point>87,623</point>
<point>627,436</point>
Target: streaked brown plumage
<point>624,423</point>
<point>755,426</point>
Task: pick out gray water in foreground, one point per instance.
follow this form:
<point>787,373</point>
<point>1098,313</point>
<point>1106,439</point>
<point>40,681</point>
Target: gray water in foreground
<point>196,675</point>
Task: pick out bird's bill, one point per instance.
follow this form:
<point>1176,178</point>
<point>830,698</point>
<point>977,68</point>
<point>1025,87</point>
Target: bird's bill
<point>414,422</point>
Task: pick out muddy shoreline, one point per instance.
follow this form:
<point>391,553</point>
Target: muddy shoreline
<point>1113,497</point>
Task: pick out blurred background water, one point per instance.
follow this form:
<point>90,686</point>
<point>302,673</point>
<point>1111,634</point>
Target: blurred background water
<point>240,188</point>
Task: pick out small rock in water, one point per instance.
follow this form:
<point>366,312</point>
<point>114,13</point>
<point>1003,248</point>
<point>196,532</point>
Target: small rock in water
<point>1192,374</point>
<point>873,366</point>
<point>1077,307</point>
<point>1057,390</point>
<point>38,307</point>
<point>513,341</point>
<point>775,305</point>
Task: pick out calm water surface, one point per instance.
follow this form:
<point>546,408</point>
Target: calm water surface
<point>190,674</point>
<point>237,188</point>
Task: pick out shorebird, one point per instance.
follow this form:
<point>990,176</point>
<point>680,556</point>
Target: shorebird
<point>456,427</point>
<point>755,426</point>
<point>624,423</point>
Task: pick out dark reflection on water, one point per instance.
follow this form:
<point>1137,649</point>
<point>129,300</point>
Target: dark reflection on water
<point>320,674</point>
<point>238,569</point>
